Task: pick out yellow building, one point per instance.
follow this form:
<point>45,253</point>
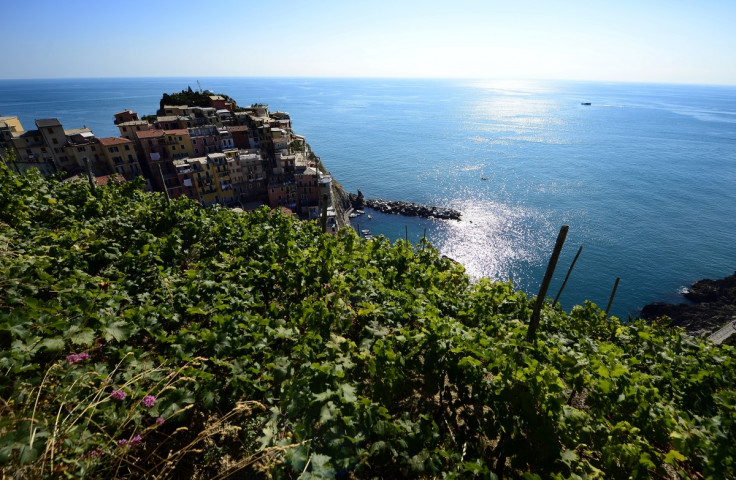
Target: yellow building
<point>209,176</point>
<point>82,145</point>
<point>175,110</point>
<point>222,172</point>
<point>119,155</point>
<point>9,124</point>
<point>179,143</point>
<point>31,152</point>
<point>55,138</point>
<point>129,129</point>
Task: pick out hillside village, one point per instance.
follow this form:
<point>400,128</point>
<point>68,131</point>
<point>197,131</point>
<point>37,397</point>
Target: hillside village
<point>199,145</point>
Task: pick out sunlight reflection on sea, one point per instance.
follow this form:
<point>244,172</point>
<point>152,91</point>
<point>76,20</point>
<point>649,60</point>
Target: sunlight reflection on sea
<point>493,239</point>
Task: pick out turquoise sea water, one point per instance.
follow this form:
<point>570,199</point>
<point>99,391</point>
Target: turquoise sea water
<point>645,176</point>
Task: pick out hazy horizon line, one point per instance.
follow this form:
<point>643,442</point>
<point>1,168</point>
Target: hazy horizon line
<point>307,77</point>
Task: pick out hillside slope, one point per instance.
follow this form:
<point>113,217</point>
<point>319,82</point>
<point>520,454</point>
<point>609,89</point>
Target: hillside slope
<point>142,338</point>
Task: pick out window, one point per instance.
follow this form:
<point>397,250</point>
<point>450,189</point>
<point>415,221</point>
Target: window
<point>56,142</point>
<point>80,149</point>
<point>50,130</point>
<point>125,129</point>
<point>127,147</point>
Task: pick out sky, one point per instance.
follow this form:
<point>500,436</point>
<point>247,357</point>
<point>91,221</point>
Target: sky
<point>672,41</point>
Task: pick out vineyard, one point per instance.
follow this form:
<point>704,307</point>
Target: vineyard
<point>146,339</point>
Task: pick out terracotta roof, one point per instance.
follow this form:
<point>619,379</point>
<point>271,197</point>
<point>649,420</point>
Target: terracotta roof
<point>108,141</point>
<point>150,133</point>
<point>104,179</point>
<point>101,180</point>
<point>177,131</point>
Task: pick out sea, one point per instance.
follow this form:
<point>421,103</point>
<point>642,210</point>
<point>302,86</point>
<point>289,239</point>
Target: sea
<point>644,176</point>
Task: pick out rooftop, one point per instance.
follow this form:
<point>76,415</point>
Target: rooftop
<point>151,133</point>
<point>85,132</point>
<point>110,141</point>
<point>48,122</point>
<point>177,131</point>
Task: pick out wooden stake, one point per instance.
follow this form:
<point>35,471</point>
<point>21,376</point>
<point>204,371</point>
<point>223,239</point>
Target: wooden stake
<point>92,183</point>
<point>163,183</point>
<point>613,294</point>
<point>569,271</point>
<point>324,213</point>
<point>534,322</point>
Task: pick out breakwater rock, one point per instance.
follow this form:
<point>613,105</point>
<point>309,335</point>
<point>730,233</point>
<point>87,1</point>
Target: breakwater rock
<point>713,305</point>
<point>403,208</point>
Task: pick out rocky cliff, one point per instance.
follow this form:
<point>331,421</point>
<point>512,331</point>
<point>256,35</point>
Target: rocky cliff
<point>713,304</point>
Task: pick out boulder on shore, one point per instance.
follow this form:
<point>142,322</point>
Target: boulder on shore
<point>713,305</point>
<point>403,208</point>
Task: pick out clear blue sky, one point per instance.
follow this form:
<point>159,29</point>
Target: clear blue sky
<point>673,41</point>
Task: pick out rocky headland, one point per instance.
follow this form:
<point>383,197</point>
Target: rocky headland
<point>409,209</point>
<point>713,305</point>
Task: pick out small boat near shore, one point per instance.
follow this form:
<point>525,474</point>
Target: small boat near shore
<point>585,103</point>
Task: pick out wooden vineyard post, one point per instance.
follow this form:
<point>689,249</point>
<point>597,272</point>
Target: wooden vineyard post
<point>163,183</point>
<point>92,182</point>
<point>569,271</point>
<point>324,213</point>
<point>534,322</point>
<point>613,294</point>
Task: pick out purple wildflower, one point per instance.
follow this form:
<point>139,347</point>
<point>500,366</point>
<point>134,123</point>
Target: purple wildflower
<point>117,394</point>
<point>135,440</point>
<point>148,401</point>
<point>97,452</point>
<point>77,357</point>
<point>160,420</point>
<point>122,442</point>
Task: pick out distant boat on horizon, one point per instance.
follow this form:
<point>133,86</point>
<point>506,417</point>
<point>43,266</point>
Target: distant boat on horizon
<point>585,103</point>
